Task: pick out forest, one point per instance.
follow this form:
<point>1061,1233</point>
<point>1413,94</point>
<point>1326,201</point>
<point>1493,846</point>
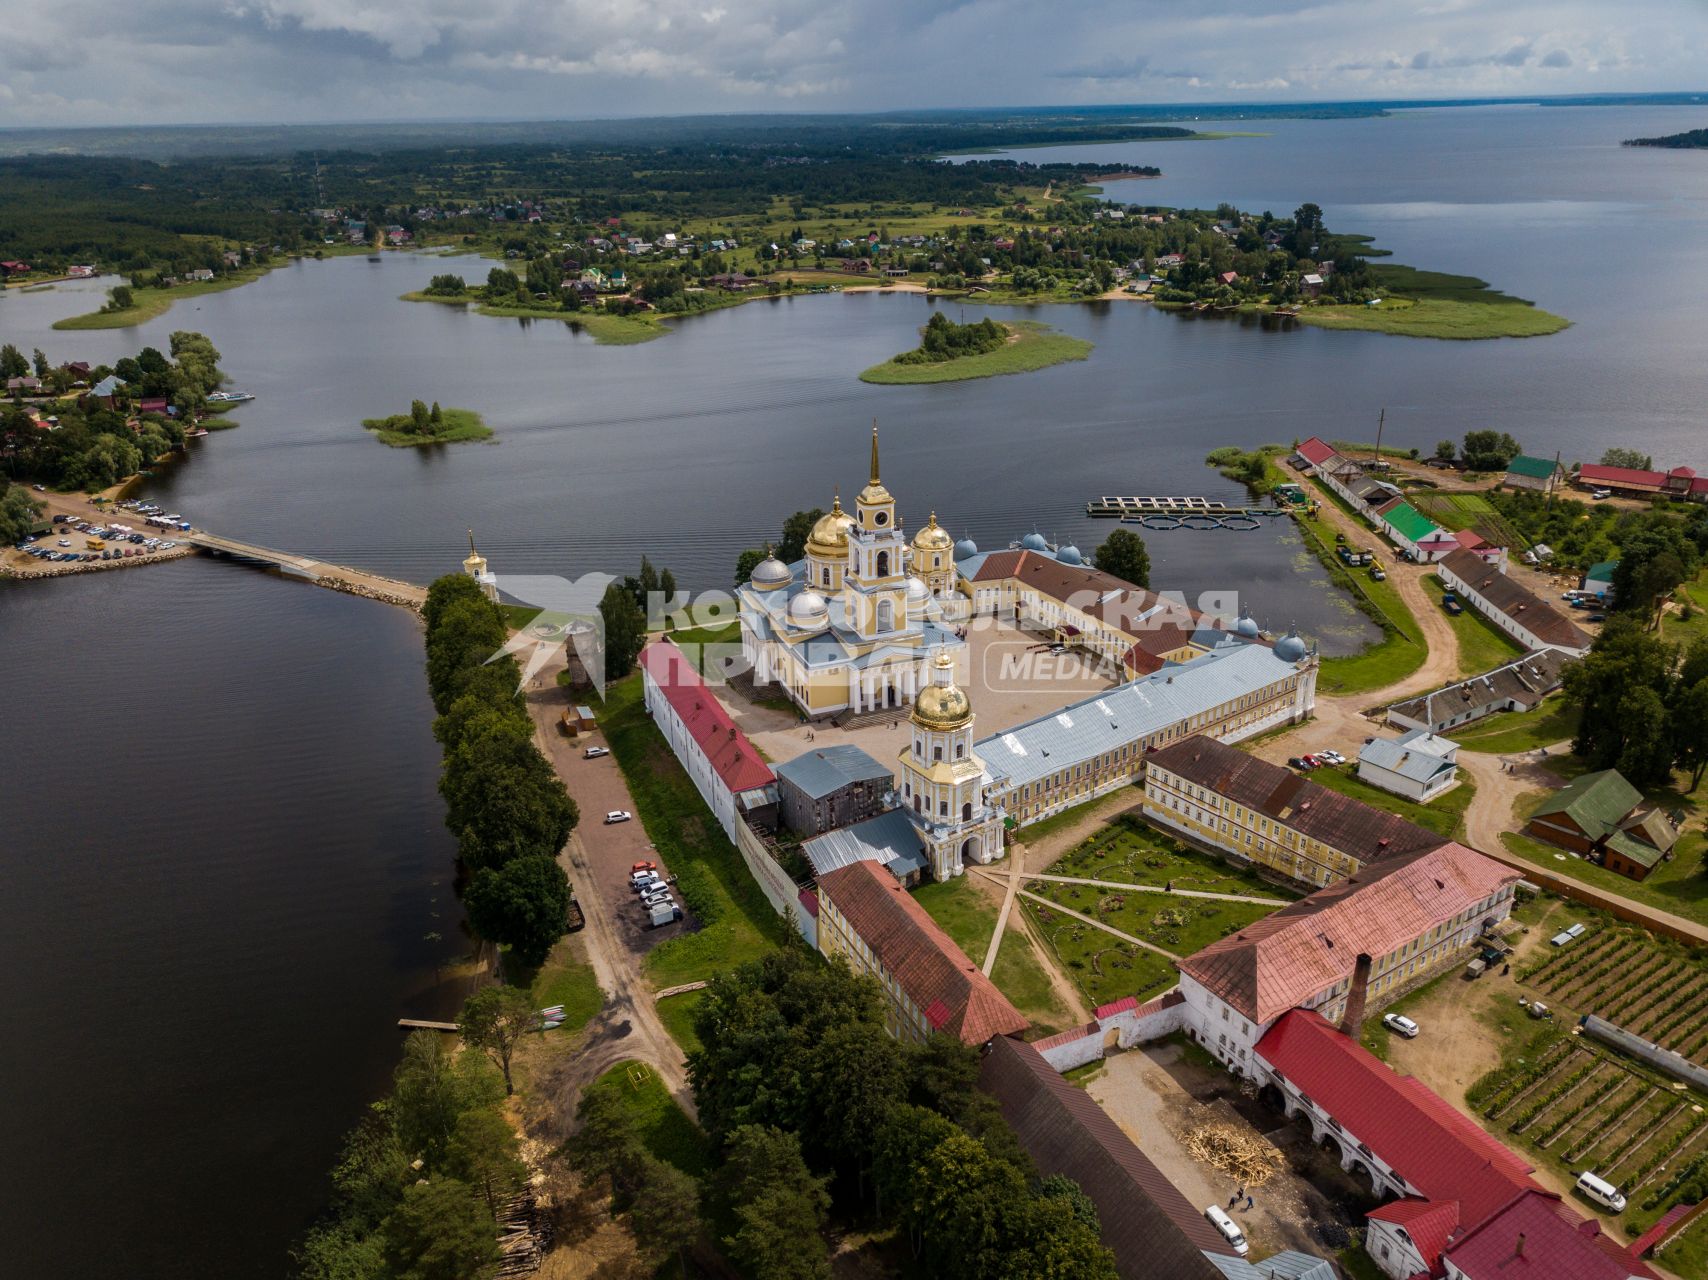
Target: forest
<point>1688,140</point>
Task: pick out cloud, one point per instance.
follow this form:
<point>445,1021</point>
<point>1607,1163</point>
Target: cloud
<point>256,60</point>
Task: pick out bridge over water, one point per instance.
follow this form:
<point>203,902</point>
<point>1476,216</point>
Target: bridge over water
<point>320,572</point>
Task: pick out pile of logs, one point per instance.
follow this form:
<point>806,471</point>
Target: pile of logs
<point>523,1235</point>
<point>1248,1158</point>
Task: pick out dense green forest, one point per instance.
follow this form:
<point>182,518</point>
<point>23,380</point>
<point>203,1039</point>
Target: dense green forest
<point>1689,140</point>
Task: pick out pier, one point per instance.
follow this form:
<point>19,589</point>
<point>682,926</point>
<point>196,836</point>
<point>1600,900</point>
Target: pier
<point>321,573</point>
<point>1181,512</point>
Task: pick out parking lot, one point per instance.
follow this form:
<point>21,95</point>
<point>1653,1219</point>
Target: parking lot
<point>612,850</point>
<point>82,535</point>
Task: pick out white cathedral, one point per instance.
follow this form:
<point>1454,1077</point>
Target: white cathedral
<point>854,624</point>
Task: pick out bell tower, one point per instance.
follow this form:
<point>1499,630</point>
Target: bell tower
<point>474,564</point>
<point>943,779</point>
<point>875,585</point>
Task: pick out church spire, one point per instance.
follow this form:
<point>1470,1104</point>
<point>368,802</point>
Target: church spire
<point>874,451</point>
<point>472,551</point>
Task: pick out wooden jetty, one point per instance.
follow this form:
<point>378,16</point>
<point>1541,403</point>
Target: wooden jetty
<point>420,1024</point>
<point>1187,506</point>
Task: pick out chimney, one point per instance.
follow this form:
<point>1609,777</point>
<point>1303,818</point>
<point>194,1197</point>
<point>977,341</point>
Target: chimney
<point>1518,1249</point>
<point>1352,1021</point>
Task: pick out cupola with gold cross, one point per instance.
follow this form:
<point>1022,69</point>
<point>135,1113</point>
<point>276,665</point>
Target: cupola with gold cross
<point>875,582</point>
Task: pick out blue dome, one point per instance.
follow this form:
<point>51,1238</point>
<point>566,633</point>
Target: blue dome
<point>966,547</point>
<point>1034,542</point>
<point>1290,648</point>
<point>1070,555</point>
<point>1246,625</point>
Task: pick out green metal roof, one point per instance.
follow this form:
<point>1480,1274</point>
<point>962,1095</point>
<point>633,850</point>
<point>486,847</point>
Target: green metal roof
<point>1602,572</point>
<point>1411,524</point>
<point>1596,802</point>
<point>1535,468</point>
<point>1644,855</point>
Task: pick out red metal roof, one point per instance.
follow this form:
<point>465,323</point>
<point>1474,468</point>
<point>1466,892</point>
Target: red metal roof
<point>1434,1148</point>
<point>924,961</point>
<point>1537,1237</point>
<point>1429,1223</point>
<point>1115,1006</point>
<point>1315,451</point>
<point>733,758</point>
<point>1623,477</point>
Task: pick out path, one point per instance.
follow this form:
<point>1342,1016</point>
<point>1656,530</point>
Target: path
<point>627,1026</point>
<point>1015,877</point>
<point>1095,924</point>
<point>1018,856</point>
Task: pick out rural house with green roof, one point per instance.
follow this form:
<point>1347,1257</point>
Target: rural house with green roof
<point>1539,475</point>
<point>1605,818</point>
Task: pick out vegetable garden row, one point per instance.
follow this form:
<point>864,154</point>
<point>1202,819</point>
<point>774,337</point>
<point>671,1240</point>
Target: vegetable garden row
<point>1630,979</point>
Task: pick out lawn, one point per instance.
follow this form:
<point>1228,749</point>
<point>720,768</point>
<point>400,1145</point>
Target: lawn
<point>968,915</point>
<point>1445,814</point>
<point>1678,886</point>
<point>149,304</point>
<point>602,327</point>
<point>1482,645</point>
<point>1103,966</point>
<point>457,426</point>
<point>664,1128</point>
<point>567,979</point>
<point>1031,346</point>
<point>1510,732</point>
<point>1682,630</point>
<point>1434,304</point>
<point>737,923</point>
<point>677,1015</point>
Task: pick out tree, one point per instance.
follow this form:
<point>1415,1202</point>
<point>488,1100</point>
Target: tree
<point>1489,450</point>
<point>1647,758</point>
<point>605,1143</point>
<point>13,363</point>
<point>625,630</point>
<point>38,360</point>
<point>1123,554</point>
<point>120,298</point>
<point>431,1088</point>
<point>420,419</point>
<point>521,905</point>
<point>796,529</point>
<point>666,1213</point>
<point>1688,722</point>
<point>441,1231</point>
<point>777,1203</point>
<point>18,512</point>
<point>495,1019</point>
<point>436,415</point>
<point>1653,560</point>
<point>1445,451</point>
<point>482,1153</point>
<point>746,562</point>
<point>1624,659</point>
<point>1632,459</point>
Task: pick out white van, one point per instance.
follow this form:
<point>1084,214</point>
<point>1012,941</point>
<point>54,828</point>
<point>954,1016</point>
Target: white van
<point>1229,1229</point>
<point>1601,1192</point>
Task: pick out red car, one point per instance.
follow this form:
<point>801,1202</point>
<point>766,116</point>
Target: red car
<point>644,866</point>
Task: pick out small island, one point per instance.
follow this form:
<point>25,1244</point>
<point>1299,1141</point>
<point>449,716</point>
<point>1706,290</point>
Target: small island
<point>1690,140</point>
<point>424,425</point>
<point>950,352</point>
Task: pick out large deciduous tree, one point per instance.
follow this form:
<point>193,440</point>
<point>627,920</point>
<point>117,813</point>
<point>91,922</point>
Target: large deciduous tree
<point>520,905</point>
<point>1123,554</point>
<point>494,1019</point>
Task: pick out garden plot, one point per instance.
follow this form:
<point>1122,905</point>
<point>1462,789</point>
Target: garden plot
<point>1650,988</point>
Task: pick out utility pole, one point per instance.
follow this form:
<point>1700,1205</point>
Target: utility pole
<point>1553,484</point>
<point>1380,419</point>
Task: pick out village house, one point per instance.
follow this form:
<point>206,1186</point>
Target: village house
<point>1517,686</point>
<point>1681,482</point>
<point>1512,607</point>
<point>1603,817</point>
<point>1262,813</point>
<point>1538,475</point>
<point>1598,580</point>
<point>829,787</point>
<point>1417,765</point>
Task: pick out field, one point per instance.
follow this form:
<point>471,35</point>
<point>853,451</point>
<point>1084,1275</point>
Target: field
<point>1678,886</point>
<point>967,914</point>
<point>1574,1104</point>
<point>737,924</point>
<point>1031,346</point>
<point>1460,511</point>
<point>458,426</point>
<point>664,1128</point>
<point>1445,814</point>
<point>1127,852</point>
<point>1510,732</point>
<point>567,979</point>
<point>1434,304</point>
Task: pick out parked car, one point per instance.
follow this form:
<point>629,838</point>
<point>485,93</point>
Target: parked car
<point>1229,1231</point>
<point>1401,1025</point>
<point>1599,494</point>
<point>1301,763</point>
<point>644,865</point>
<point>593,753</point>
<point>1600,1191</point>
<point>618,815</point>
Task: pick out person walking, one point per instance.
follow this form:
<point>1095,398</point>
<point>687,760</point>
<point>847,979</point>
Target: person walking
<point>1248,1203</point>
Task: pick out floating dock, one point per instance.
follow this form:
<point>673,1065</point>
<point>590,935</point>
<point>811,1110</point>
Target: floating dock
<point>1181,512</point>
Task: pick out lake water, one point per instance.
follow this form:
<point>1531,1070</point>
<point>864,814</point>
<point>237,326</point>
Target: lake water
<point>213,931</point>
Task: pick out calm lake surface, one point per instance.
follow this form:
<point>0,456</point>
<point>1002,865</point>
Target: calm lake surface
<point>212,932</point>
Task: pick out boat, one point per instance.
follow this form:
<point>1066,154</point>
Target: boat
<point>229,397</point>
<point>551,1026</point>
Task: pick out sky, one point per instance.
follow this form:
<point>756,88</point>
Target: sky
<point>104,62</point>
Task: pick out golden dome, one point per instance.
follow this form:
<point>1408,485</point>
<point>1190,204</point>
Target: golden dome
<point>933,537</point>
<point>942,704</point>
<point>829,537</point>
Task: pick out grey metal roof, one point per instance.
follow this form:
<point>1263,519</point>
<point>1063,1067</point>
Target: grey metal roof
<point>1524,681</point>
<point>825,770</point>
<point>1130,712</point>
<point>1287,1265</point>
<point>1416,754</point>
<point>890,838</point>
